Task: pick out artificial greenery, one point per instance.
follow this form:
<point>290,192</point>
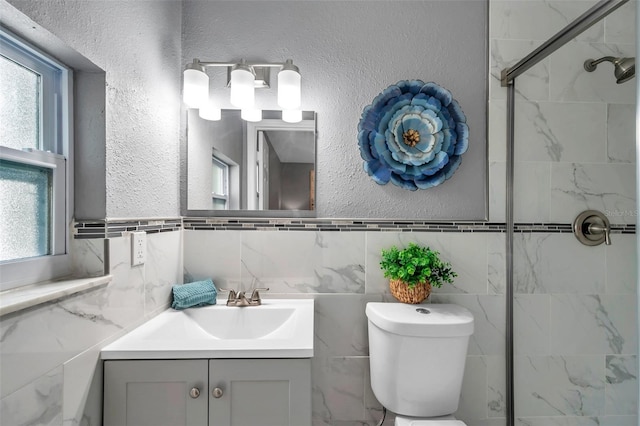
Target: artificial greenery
<point>416,264</point>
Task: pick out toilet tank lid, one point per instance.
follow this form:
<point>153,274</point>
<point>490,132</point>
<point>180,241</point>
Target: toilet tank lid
<point>429,320</point>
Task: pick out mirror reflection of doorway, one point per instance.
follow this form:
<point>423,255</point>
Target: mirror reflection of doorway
<point>283,175</point>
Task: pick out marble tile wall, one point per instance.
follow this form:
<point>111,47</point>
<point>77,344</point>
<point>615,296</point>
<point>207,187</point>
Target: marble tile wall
<point>340,270</point>
<point>50,352</point>
<point>575,336</point>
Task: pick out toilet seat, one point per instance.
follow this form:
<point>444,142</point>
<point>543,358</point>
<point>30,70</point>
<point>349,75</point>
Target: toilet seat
<point>415,421</point>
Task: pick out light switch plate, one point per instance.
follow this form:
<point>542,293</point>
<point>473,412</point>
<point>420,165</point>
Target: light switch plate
<point>138,248</point>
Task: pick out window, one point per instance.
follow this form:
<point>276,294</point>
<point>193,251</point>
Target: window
<point>35,164</point>
<point>220,185</point>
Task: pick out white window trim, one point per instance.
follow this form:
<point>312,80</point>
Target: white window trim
<point>22,272</point>
<point>225,178</point>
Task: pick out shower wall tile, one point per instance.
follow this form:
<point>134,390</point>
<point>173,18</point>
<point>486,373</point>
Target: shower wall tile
<point>553,131</point>
<point>620,26</point>
<point>570,82</point>
<point>532,85</point>
<point>609,188</point>
<point>531,202</point>
<point>531,322</point>
<point>621,258</point>
<point>213,255</point>
<point>557,263</point>
<point>497,191</point>
<point>537,20</point>
<point>496,263</point>
<point>488,311</point>
<point>592,324</point>
<point>621,385</point>
<point>496,386</point>
<point>559,385</point>
<point>37,403</point>
<point>304,262</point>
<point>621,133</point>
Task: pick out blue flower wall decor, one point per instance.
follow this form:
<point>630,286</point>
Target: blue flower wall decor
<point>413,134</point>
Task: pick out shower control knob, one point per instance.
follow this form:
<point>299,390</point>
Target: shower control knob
<point>592,228</point>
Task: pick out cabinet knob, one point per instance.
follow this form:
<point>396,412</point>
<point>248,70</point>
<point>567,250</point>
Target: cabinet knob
<point>194,393</point>
<point>217,392</point>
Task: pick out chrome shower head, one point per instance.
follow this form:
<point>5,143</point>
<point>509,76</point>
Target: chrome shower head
<point>624,68</point>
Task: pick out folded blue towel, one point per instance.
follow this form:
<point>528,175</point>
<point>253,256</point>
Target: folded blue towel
<point>199,293</point>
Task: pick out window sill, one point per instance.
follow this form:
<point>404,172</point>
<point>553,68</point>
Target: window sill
<point>17,299</point>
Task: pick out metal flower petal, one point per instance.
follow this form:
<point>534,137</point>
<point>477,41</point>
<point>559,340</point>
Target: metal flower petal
<point>413,134</point>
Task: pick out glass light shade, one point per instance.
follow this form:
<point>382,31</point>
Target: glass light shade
<point>292,115</point>
<point>251,114</point>
<point>289,89</point>
<point>196,88</point>
<point>210,111</point>
<point>243,91</point>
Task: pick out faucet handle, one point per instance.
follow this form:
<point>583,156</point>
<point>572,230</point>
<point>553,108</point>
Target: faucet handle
<point>255,295</point>
<point>232,293</point>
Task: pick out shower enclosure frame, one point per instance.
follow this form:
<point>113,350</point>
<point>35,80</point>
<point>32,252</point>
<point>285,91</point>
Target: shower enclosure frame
<point>508,78</point>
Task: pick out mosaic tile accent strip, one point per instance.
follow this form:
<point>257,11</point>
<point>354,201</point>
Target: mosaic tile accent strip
<point>116,228</point>
<point>338,225</point>
<point>84,229</point>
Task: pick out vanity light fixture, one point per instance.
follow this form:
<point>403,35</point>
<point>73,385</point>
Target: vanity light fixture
<point>243,78</point>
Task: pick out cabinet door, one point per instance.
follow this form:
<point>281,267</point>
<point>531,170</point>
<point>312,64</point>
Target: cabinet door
<point>155,393</point>
<point>260,392</point>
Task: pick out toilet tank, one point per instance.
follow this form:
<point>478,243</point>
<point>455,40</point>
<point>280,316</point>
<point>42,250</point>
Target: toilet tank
<point>417,355</point>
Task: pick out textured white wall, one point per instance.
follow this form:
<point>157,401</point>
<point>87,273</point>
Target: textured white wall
<point>137,43</point>
<point>347,53</point>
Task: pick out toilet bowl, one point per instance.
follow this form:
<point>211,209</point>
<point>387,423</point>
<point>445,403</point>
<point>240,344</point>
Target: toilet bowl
<point>417,355</point>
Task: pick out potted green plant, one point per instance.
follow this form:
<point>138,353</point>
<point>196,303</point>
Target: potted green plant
<point>413,271</point>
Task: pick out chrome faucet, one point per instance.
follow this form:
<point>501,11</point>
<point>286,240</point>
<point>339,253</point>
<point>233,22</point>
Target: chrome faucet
<point>239,298</point>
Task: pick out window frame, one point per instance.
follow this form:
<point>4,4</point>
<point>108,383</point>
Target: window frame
<point>55,152</point>
<point>225,182</point>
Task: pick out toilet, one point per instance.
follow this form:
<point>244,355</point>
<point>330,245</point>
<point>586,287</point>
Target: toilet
<point>417,355</point>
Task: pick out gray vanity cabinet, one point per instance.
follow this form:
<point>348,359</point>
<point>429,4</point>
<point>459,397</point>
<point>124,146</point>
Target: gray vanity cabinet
<point>234,392</point>
<point>155,393</point>
<point>260,392</point>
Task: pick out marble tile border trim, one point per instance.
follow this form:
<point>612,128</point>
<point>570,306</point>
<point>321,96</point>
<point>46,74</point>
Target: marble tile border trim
<point>114,228</point>
<point>117,228</point>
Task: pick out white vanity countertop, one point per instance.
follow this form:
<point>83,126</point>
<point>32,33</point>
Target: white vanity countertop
<point>279,328</point>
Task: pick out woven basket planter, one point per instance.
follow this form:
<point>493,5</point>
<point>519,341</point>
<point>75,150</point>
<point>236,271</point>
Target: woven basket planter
<point>401,291</point>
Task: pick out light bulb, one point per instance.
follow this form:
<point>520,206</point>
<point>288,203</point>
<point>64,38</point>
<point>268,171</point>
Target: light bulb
<point>210,111</point>
<point>195,87</point>
<point>243,90</point>
<point>289,86</point>
<point>251,114</point>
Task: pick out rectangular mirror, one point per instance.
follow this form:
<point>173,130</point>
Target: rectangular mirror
<point>241,168</point>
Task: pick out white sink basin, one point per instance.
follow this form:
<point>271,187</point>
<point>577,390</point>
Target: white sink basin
<point>279,328</point>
